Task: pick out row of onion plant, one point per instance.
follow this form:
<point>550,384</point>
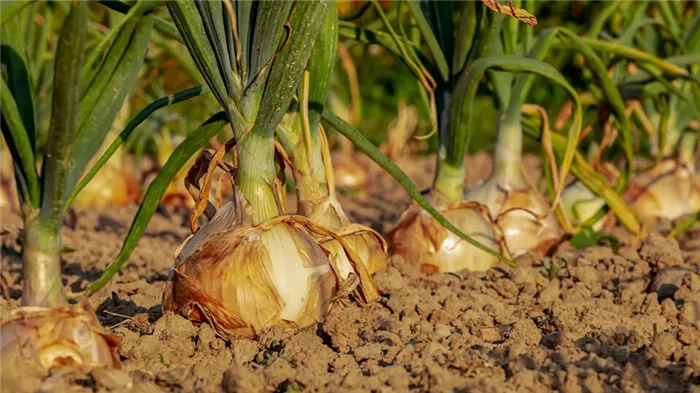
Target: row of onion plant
<point>86,97</point>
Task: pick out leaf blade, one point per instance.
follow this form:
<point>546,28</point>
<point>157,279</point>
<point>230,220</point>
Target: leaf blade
<point>64,113</point>
<point>98,121</point>
<point>285,71</point>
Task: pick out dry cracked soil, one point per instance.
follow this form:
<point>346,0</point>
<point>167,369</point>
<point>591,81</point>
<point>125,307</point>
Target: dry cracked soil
<point>588,321</point>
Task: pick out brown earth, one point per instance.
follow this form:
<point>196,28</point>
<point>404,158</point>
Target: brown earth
<point>582,321</point>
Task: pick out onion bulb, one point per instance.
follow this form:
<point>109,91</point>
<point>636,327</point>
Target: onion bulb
<point>521,212</point>
<point>580,203</point>
<point>424,242</point>
<point>669,190</point>
<point>64,335</point>
<point>8,189</point>
<point>369,245</point>
<point>242,278</point>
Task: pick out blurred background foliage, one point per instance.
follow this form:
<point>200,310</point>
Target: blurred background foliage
<point>381,81</point>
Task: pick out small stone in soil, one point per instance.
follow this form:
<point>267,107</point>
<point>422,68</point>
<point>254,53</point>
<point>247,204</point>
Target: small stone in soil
<point>491,334</point>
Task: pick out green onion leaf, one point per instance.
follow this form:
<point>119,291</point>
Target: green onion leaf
<point>105,97</point>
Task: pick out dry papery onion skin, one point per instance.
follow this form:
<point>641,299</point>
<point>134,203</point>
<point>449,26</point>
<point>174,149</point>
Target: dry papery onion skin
<point>67,335</point>
<point>670,190</point>
<point>521,213</point>
<point>367,243</point>
<point>370,247</point>
<point>327,212</point>
<point>249,278</point>
<point>424,242</point>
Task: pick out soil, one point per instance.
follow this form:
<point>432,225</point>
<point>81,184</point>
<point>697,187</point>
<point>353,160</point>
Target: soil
<point>589,320</point>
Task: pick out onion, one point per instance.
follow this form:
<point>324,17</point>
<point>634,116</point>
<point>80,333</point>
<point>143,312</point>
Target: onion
<point>669,190</point>
<point>521,212</point>
<point>60,336</point>
<point>113,185</point>
<point>424,242</point>
<point>369,245</point>
<point>349,174</point>
<point>242,278</point>
<point>327,212</point>
<point>580,203</point>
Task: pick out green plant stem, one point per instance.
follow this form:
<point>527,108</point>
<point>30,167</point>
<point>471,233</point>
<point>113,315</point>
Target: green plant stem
<point>509,147</point>
<point>256,175</point>
<point>465,36</point>
<point>300,141</point>
<point>449,181</point>
<point>671,136</point>
<point>42,265</point>
<point>41,284</point>
<point>310,176</point>
<point>686,149</point>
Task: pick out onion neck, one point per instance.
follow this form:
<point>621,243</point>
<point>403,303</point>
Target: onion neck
<point>256,175</point>
<point>509,148</point>
<point>311,182</point>
<point>42,285</point>
<point>449,181</point>
<point>686,150</point>
<point>673,135</point>
<point>449,177</point>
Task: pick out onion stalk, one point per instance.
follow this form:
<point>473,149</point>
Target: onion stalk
<point>58,333</point>
<point>519,209</point>
<point>316,194</point>
<point>252,265</point>
<point>418,237</point>
<point>527,221</point>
